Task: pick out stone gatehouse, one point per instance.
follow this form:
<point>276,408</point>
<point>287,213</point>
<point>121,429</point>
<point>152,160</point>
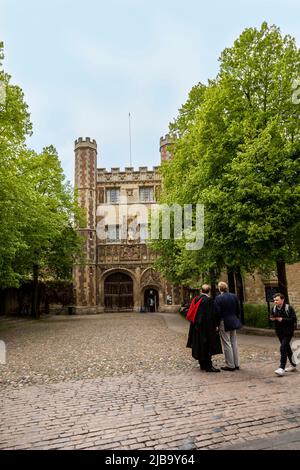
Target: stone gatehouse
<point>118,274</point>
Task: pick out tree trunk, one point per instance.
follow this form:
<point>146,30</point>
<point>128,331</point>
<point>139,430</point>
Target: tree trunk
<point>282,280</point>
<point>231,282</point>
<point>213,290</point>
<point>47,308</point>
<point>20,297</point>
<point>240,291</point>
<point>213,280</point>
<point>34,307</point>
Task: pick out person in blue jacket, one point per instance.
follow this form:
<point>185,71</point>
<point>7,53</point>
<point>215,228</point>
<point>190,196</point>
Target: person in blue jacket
<point>228,313</point>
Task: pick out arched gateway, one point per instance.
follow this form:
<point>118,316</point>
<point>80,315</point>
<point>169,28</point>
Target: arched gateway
<point>118,292</point>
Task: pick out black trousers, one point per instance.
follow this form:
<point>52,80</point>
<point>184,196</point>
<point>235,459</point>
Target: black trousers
<point>285,350</point>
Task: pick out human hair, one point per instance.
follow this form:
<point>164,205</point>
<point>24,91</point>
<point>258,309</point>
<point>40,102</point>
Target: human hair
<point>222,286</point>
<point>278,295</point>
<point>205,289</point>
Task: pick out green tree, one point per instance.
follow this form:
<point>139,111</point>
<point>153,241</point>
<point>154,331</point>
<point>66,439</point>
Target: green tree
<point>260,183</point>
<point>239,157</point>
<point>38,210</point>
<point>15,123</point>
<point>188,110</point>
<point>15,126</point>
<point>49,214</point>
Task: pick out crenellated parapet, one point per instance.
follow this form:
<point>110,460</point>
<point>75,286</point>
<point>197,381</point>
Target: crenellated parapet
<point>167,139</point>
<point>84,143</point>
<point>129,169</point>
<point>117,175</point>
<point>165,147</point>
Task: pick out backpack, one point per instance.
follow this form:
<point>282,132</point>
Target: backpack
<point>191,315</point>
<point>287,310</point>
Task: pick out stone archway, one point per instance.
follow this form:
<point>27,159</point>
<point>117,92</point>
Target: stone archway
<point>118,292</point>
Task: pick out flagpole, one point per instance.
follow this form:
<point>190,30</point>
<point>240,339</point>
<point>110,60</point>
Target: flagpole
<point>130,140</point>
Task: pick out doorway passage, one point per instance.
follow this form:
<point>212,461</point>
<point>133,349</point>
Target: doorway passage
<point>151,300</point>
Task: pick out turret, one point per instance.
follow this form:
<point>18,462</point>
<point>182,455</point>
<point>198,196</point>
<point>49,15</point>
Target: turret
<point>165,147</point>
<point>85,184</point>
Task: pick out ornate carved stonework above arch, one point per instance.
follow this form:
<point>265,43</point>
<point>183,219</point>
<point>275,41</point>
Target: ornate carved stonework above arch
<point>150,277</point>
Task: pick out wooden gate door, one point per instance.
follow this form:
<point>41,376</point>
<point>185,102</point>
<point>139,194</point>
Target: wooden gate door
<point>118,292</point>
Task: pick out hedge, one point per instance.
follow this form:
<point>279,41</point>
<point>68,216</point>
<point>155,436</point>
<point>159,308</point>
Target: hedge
<point>256,315</point>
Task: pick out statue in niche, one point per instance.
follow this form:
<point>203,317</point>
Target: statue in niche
<point>101,253</point>
<point>100,195</point>
<point>144,252</point>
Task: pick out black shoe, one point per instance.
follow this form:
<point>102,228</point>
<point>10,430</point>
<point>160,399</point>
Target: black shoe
<point>231,369</point>
<point>237,368</point>
<point>212,369</point>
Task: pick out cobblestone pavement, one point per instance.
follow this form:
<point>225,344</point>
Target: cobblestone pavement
<point>127,381</point>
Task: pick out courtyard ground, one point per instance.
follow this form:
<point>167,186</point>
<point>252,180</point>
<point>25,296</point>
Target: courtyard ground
<point>127,381</point>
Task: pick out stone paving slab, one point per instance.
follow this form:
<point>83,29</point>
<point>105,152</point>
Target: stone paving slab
<point>192,410</point>
<point>283,441</point>
<point>149,404</point>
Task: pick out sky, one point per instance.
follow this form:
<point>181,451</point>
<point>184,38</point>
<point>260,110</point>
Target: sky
<point>85,65</point>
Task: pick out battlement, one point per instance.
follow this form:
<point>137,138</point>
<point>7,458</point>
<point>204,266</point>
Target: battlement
<point>141,169</point>
<point>167,140</point>
<point>87,142</point>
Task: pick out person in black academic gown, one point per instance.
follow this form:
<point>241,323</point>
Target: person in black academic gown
<point>203,336</point>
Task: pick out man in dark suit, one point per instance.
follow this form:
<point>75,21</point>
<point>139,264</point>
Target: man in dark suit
<point>228,312</point>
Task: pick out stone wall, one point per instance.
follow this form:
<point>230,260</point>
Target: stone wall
<point>255,285</point>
